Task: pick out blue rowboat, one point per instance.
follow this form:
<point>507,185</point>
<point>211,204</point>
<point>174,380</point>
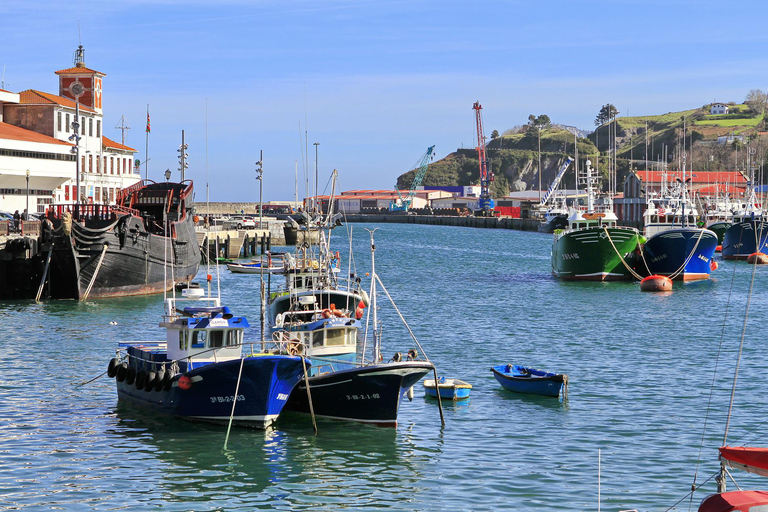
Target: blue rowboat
<point>520,379</point>
<point>450,389</point>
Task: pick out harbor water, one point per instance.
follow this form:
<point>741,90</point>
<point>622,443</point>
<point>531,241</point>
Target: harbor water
<point>644,380</point>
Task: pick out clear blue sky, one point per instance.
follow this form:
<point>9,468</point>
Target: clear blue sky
<point>375,82</point>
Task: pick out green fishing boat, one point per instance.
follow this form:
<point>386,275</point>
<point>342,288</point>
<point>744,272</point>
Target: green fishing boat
<point>593,247</point>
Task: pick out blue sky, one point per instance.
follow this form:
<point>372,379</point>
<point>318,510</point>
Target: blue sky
<point>374,82</point>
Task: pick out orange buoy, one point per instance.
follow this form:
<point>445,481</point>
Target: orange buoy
<point>359,310</point>
<point>757,258</point>
<point>713,265</point>
<point>719,248</point>
<point>185,382</point>
<point>656,283</point>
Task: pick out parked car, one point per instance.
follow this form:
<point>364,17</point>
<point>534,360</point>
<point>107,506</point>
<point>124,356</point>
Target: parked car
<point>243,221</point>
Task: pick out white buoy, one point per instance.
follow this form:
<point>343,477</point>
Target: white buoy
<point>409,394</point>
<point>656,283</point>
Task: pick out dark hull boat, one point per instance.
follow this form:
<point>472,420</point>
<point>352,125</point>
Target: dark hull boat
<point>745,238</point>
<point>139,246</point>
<point>530,381</point>
<point>682,253</point>
<point>367,394</point>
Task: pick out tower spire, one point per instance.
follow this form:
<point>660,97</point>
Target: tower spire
<point>80,57</point>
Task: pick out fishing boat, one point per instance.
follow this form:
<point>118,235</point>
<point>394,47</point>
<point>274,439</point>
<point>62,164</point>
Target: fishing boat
<point>749,232</point>
<point>204,370</point>
<point>122,249</point>
<point>552,209</point>
<point>594,247</point>
<point>530,381</point>
<point>450,389</point>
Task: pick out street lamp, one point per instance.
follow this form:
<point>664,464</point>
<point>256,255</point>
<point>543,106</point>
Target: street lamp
<point>260,172</point>
<point>27,210</point>
<point>167,175</point>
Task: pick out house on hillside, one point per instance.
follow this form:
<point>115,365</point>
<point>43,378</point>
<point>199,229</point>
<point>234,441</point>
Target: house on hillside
<point>718,108</point>
<point>703,184</point>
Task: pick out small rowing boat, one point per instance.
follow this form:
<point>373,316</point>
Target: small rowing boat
<point>450,389</point>
<point>520,379</point>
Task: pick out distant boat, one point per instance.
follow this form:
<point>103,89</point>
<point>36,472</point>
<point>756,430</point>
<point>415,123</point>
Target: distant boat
<point>201,368</point>
<point>450,389</point>
<point>593,247</point>
<point>554,215</point>
<point>520,379</point>
<point>749,232</point>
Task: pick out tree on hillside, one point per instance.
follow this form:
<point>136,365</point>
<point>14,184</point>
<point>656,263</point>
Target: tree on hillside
<point>539,123</point>
<point>494,134</point>
<point>607,112</point>
<point>756,101</point>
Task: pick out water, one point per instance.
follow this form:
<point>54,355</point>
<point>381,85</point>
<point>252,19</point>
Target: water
<point>641,368</point>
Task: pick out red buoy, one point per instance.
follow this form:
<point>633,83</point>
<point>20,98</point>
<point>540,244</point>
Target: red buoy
<point>656,283</point>
<point>757,258</point>
<point>185,382</point>
<point>719,248</point>
<point>713,265</point>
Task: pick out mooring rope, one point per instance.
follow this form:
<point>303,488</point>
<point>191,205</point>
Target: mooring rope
<point>634,274</point>
<point>95,272</point>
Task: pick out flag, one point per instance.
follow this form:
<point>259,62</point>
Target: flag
<point>148,128</point>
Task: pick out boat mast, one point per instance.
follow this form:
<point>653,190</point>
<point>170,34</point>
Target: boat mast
<point>376,333</point>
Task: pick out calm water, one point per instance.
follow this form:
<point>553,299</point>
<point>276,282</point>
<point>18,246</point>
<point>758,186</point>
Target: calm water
<point>641,368</point>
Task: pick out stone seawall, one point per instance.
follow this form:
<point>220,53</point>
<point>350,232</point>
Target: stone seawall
<point>439,220</point>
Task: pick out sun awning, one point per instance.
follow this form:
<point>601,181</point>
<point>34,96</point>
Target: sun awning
<point>35,182</point>
<point>753,460</point>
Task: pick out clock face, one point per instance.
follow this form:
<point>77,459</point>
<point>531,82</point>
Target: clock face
<point>77,89</point>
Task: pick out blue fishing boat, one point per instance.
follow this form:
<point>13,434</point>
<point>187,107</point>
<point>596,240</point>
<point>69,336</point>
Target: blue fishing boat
<point>203,370</point>
<point>531,381</point>
<point>450,389</point>
<point>747,235</point>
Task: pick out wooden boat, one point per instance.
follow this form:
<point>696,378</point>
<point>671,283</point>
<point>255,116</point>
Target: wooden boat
<point>252,268</point>
<point>520,379</point>
<point>450,389</point>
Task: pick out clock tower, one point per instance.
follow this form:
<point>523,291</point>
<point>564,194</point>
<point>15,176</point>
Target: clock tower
<point>81,83</point>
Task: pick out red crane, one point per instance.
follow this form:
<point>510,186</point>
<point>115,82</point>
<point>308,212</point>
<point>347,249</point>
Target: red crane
<point>486,203</point>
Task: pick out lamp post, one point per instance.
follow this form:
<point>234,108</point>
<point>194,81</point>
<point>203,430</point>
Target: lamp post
<point>259,172</point>
<point>27,210</point>
<point>262,289</point>
<point>167,175</point>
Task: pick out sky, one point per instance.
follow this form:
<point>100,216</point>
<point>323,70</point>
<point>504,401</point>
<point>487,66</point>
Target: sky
<point>373,82</point>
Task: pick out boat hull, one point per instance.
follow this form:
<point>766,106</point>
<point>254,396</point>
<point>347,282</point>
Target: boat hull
<point>529,381</point>
<point>681,253</point>
<point>588,255</point>
<point>265,384</point>
<point>735,501</point>
<point>745,238</point>
<point>368,394</point>
<point>450,389</point>
<point>719,228</point>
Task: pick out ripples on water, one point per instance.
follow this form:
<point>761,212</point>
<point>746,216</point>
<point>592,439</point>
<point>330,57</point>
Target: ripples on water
<point>641,368</point>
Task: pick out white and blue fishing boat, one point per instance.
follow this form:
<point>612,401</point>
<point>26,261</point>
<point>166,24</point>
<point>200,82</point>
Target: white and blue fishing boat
<point>675,247</point>
<point>449,389</point>
<point>318,314</point>
<point>530,381</point>
<point>204,370</point>
<point>748,234</point>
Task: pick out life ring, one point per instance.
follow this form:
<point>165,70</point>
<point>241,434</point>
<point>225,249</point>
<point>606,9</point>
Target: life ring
<point>327,313</point>
<point>185,382</point>
<point>339,313</point>
<point>359,310</point>
<point>195,219</point>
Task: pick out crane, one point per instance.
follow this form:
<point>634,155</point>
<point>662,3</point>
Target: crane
<point>486,202</point>
<point>402,204</point>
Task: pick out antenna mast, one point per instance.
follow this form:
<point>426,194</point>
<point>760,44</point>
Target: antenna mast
<point>122,127</point>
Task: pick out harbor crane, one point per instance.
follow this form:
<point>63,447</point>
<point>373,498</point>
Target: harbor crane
<point>403,204</point>
<point>486,177</point>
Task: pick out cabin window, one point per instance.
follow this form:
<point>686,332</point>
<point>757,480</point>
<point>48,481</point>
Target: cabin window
<point>233,337</point>
<point>334,337</point>
<point>317,339</point>
<point>216,339</point>
<point>198,339</point>
<point>183,336</point>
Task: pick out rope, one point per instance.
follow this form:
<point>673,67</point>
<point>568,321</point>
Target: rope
<point>45,275</point>
<point>89,381</point>
<point>309,394</point>
<point>95,272</point>
<point>403,319</point>
<point>635,274</point>
<point>234,402</point>
<point>439,398</point>
<point>693,251</point>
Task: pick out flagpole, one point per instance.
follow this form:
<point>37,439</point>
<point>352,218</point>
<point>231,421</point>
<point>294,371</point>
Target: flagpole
<point>146,148</point>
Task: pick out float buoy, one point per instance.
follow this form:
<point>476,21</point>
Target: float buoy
<point>114,363</point>
<point>160,380</point>
<point>757,258</point>
<point>149,383</point>
<point>719,248</point>
<point>185,382</point>
<point>656,283</point>
<point>359,310</point>
<point>327,313</point>
<point>130,375</point>
<point>713,265</point>
<point>121,373</point>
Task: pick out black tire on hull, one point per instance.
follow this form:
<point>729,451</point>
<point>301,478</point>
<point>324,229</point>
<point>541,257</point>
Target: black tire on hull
<point>149,384</point>
<point>122,372</point>
<point>114,363</point>
<point>130,377</point>
<point>141,379</point>
<point>160,380</point>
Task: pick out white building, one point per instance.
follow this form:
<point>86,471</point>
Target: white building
<point>718,108</point>
<point>35,132</point>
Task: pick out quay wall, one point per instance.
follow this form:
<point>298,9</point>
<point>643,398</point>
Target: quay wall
<point>469,221</point>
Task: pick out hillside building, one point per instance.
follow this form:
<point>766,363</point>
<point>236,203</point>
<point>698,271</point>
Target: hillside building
<point>37,152</point>
<point>718,109</point>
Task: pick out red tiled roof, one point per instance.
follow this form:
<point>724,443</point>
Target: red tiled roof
<point>33,97</point>
<point>721,188</point>
<point>3,90</point>
<point>109,143</point>
<point>78,70</point>
<point>9,131</point>
<point>696,176</point>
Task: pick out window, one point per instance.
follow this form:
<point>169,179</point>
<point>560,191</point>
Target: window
<point>183,337</point>
<point>233,337</point>
<point>82,126</point>
<point>97,196</point>
<point>334,337</point>
<point>98,165</point>
<point>111,165</point>
<point>198,339</point>
<point>90,163</point>
<point>90,127</point>
<point>216,339</point>
<point>98,128</point>
<point>66,124</point>
<point>317,339</point>
<point>58,121</point>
